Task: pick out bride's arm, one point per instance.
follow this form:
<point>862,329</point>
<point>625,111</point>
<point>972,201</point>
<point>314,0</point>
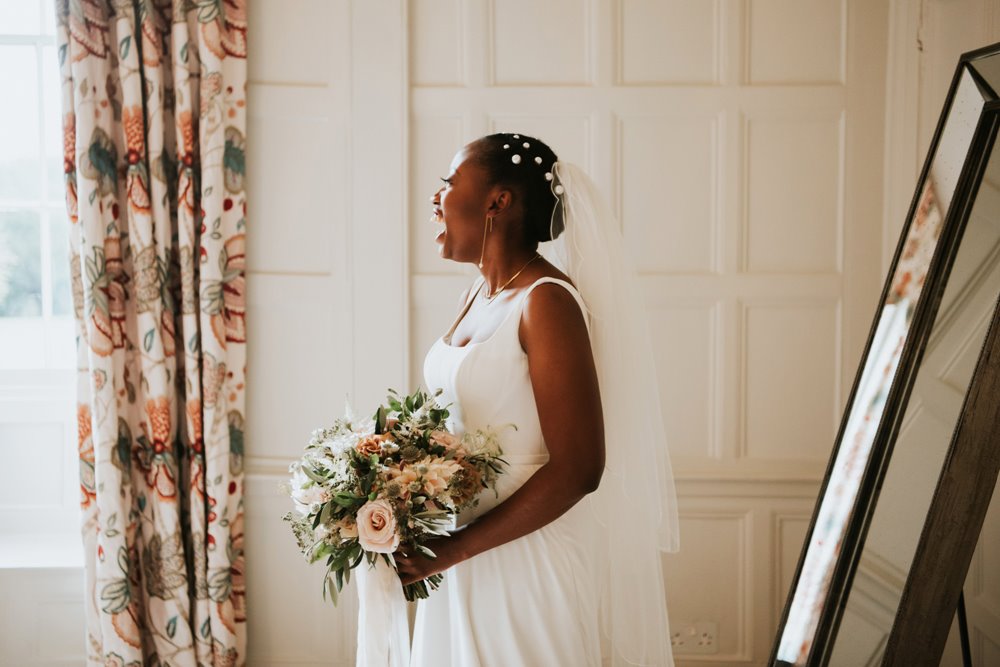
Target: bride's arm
<point>564,381</point>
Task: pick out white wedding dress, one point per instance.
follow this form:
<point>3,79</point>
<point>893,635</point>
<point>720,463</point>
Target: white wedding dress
<point>531,602</point>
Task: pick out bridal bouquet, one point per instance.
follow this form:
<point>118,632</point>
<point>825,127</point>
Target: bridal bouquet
<point>364,487</point>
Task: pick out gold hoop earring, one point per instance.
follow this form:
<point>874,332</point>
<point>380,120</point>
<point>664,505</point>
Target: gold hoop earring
<point>487,227</point>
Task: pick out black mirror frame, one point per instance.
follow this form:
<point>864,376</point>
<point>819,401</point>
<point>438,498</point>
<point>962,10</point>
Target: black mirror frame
<point>924,314</point>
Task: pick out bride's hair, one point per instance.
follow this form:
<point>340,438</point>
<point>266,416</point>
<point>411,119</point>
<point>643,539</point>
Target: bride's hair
<point>526,165</point>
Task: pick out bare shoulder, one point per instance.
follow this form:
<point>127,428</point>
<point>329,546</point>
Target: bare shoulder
<point>552,316</point>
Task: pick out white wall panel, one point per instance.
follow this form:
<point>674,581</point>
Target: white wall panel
<point>435,141</point>
<point>796,41</point>
<point>794,190</point>
<point>669,41</point>
<point>296,180</point>
<point>790,392</point>
<point>688,349</point>
<point>670,197</point>
<point>710,578</point>
<point>290,41</point>
<point>298,358</point>
<point>541,42</point>
<point>437,37</point>
<point>293,624</point>
<point>42,624</point>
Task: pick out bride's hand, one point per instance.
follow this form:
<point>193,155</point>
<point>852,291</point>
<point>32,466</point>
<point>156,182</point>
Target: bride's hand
<point>412,566</point>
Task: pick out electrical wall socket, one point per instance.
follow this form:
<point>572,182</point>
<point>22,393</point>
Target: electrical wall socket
<point>696,637</point>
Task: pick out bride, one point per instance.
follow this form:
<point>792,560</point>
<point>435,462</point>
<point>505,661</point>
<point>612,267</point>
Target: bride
<point>562,566</point>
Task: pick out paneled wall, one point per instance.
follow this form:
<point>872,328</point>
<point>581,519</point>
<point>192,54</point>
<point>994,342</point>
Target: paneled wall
<point>740,143</point>
<point>299,287</point>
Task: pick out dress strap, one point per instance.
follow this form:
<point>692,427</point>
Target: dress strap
<point>572,290</point>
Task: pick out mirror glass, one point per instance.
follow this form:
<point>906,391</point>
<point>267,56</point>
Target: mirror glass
<point>925,434</point>
<point>840,493</point>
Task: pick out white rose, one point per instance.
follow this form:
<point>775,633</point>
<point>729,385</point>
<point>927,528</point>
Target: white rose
<point>377,527</point>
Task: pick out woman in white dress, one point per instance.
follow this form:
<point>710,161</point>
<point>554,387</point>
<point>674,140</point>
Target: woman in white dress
<point>530,575</point>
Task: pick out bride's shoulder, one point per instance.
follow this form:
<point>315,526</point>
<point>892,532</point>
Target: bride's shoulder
<point>552,308</point>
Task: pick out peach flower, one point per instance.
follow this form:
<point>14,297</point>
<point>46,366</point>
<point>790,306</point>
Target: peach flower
<point>370,445</point>
<point>377,527</point>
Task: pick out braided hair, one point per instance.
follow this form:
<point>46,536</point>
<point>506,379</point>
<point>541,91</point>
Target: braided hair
<point>524,164</point>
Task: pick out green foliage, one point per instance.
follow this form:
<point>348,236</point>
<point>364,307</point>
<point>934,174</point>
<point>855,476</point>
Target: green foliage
<point>348,465</point>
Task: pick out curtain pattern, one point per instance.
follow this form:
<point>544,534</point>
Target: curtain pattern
<point>154,104</point>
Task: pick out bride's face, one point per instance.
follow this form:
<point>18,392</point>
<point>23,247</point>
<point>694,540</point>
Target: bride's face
<point>460,207</point>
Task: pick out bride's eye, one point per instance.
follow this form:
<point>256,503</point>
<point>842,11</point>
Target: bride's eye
<point>446,180</point>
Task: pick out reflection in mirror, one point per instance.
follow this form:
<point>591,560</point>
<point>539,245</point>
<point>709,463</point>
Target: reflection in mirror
<point>933,411</point>
<point>867,407</point>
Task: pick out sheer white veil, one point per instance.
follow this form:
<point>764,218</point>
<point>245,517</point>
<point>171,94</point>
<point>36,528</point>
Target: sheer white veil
<point>636,503</point>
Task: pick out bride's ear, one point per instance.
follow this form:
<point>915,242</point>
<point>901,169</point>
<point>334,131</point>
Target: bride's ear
<point>500,200</point>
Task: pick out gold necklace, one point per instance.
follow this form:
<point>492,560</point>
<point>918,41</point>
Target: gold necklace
<point>489,299</point>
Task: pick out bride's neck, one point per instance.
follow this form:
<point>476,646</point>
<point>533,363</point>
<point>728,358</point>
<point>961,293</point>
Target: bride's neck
<point>499,269</point>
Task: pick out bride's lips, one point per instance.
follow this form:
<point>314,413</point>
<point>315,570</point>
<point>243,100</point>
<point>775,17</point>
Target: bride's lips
<point>439,219</point>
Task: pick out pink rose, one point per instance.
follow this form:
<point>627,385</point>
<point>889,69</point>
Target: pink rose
<point>377,527</point>
<point>446,439</point>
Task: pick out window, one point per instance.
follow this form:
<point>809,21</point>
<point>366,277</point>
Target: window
<point>39,493</point>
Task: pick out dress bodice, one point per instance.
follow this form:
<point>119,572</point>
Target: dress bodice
<point>486,384</point>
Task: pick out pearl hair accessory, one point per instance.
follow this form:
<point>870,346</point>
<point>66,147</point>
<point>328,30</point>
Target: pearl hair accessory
<point>526,144</point>
<point>538,160</point>
<point>517,136</point>
<point>516,159</point>
<point>560,189</point>
<point>548,176</point>
<point>506,146</point>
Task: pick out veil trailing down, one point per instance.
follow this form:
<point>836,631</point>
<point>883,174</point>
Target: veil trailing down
<point>636,503</point>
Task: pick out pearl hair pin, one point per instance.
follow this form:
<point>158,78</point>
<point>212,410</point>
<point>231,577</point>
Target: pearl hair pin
<point>538,160</point>
<point>559,189</point>
<point>506,146</point>
<point>548,176</point>
<point>516,159</point>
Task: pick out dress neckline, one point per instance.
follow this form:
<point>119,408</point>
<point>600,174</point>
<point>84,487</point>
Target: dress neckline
<point>451,332</point>
<point>503,322</point>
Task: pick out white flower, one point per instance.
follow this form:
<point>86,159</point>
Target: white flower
<point>304,491</point>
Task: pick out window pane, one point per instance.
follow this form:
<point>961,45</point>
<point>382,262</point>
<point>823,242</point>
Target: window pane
<point>20,264</point>
<point>48,17</point>
<point>20,17</point>
<point>19,168</point>
<point>62,297</point>
<point>52,118</point>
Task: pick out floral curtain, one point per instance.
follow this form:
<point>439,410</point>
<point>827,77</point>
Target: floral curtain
<point>154,103</point>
